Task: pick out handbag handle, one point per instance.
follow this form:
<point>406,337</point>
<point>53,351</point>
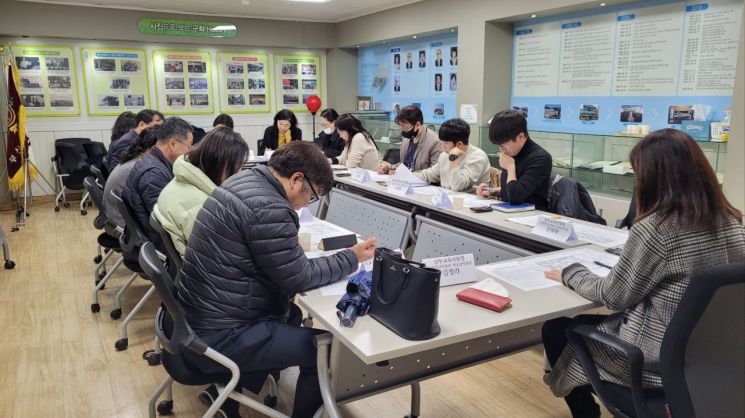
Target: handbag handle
<point>394,297</point>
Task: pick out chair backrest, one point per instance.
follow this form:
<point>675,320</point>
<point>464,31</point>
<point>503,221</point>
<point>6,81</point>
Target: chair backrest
<point>69,157</point>
<point>100,178</point>
<point>96,193</point>
<point>182,335</point>
<point>174,258</point>
<point>436,239</point>
<point>369,218</point>
<point>703,351</point>
<point>260,147</point>
<point>95,151</point>
<point>133,237</point>
<point>494,177</point>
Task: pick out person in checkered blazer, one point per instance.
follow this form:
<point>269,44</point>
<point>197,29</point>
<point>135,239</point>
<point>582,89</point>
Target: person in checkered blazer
<point>684,224</point>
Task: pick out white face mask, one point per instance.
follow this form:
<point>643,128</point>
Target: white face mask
<point>328,131</point>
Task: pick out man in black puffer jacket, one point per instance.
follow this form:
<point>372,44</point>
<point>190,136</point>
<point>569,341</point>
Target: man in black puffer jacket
<point>243,266</point>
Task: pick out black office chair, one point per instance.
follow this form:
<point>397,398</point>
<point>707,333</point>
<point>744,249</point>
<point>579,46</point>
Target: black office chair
<point>176,337</point>
<point>260,148</point>
<point>71,167</point>
<point>628,220</point>
<point>98,174</point>
<point>95,151</point>
<point>130,240</point>
<point>701,358</point>
<point>108,240</point>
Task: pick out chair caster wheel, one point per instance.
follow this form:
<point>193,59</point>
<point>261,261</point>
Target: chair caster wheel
<point>95,307</point>
<point>121,344</point>
<point>83,212</point>
<point>97,259</point>
<point>9,264</point>
<point>165,407</point>
<point>270,401</point>
<point>56,208</point>
<point>116,313</point>
<point>152,358</point>
<point>307,323</point>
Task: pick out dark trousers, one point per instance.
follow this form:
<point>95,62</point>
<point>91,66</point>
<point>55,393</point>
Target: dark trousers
<point>580,400</point>
<point>271,346</point>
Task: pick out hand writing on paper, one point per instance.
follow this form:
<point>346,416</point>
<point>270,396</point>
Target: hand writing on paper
<point>364,250</point>
<point>383,167</point>
<point>554,274</point>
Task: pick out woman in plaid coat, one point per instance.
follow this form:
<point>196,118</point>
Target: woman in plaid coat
<point>684,224</point>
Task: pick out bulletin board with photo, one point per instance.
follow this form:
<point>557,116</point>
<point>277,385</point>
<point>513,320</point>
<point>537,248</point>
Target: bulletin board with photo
<point>245,79</point>
<point>296,78</point>
<point>116,80</point>
<point>183,82</point>
<point>47,79</point>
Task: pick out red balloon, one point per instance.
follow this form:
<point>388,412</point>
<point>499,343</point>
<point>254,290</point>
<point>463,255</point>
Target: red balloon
<point>313,103</point>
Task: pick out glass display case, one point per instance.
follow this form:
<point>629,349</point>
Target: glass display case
<point>599,162</point>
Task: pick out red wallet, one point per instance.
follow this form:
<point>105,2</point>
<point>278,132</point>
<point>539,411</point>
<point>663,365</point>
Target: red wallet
<point>484,299</point>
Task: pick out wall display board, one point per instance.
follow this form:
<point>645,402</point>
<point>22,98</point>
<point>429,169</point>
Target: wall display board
<point>244,82</point>
<point>183,82</point>
<point>423,72</point>
<point>297,77</point>
<point>48,80</point>
<point>115,80</point>
<point>657,63</point>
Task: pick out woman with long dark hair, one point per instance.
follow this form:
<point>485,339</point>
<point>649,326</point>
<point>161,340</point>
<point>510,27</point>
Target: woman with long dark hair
<point>684,223</point>
<point>329,140</point>
<point>125,122</point>
<point>219,155</point>
<point>359,149</point>
<point>283,130</point>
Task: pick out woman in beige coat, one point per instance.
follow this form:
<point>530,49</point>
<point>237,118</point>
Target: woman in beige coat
<point>360,149</point>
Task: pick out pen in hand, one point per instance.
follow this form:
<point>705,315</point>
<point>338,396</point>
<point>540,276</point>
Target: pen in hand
<point>603,265</point>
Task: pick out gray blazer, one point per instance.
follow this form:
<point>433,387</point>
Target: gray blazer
<point>427,151</point>
<point>645,288</point>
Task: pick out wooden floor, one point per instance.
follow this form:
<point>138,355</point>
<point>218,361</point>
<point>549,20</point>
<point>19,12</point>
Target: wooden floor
<point>58,358</point>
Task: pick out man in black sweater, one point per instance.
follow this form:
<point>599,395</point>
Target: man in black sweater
<point>526,167</point>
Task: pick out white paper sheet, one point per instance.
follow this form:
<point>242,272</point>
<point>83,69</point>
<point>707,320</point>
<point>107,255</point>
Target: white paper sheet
<point>472,201</point>
<point>319,230</point>
<point>600,236</point>
<point>404,174</point>
<point>530,221</point>
<point>429,190</point>
<point>529,275</point>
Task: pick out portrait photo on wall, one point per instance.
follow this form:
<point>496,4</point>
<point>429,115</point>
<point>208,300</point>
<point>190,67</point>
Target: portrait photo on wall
<point>588,112</point>
<point>453,55</point>
<point>396,83</point>
<point>438,82</point>
<point>677,114</point>
<point>409,62</point>
<point>422,58</point>
<point>438,57</point>
<point>632,113</point>
<point>552,111</point>
<point>453,82</point>
<point>396,62</point>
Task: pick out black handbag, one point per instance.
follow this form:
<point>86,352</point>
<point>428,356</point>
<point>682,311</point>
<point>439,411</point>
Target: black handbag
<point>405,296</point>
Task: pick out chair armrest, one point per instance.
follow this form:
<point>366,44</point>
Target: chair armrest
<point>578,333</point>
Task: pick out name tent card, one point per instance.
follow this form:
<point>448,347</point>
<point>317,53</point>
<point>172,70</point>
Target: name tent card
<point>400,187</point>
<point>454,269</point>
<point>361,175</point>
<point>556,229</point>
<point>442,200</point>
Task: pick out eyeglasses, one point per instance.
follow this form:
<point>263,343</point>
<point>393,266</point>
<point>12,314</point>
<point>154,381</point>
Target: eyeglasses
<point>315,197</point>
<point>188,145</point>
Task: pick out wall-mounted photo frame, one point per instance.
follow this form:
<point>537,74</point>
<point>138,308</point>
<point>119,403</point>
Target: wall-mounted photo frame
<point>364,103</point>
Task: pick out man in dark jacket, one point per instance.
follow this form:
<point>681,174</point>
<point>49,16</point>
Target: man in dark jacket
<point>154,170</point>
<point>243,266</point>
<point>145,118</point>
<point>526,167</point>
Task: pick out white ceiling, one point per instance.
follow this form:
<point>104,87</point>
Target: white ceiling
<point>331,11</point>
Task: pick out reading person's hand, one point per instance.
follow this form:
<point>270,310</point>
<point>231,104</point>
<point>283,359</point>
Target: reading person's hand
<point>554,274</point>
<point>383,167</point>
<point>482,190</point>
<point>364,250</point>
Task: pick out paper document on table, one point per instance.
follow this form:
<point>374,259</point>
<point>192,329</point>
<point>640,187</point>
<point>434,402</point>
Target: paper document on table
<point>304,215</point>
<point>530,221</point>
<point>319,230</point>
<point>429,190</point>
<point>600,236</point>
<point>529,274</point>
<point>334,289</point>
<point>404,174</point>
<point>339,167</point>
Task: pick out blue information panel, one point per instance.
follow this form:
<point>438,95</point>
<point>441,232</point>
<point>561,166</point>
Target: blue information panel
<point>422,72</point>
<point>658,63</point>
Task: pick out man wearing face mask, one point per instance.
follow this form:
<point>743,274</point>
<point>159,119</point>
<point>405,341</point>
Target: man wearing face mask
<point>243,266</point>
<point>420,148</point>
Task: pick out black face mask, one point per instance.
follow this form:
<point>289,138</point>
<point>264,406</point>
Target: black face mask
<point>409,134</point>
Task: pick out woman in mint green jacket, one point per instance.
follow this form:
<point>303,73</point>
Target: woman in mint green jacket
<point>219,155</point>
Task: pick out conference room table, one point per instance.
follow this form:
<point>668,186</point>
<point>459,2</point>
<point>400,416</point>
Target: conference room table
<point>368,358</point>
